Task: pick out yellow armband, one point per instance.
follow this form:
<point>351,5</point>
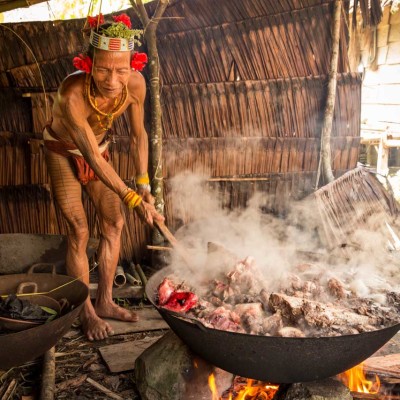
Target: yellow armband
<point>132,199</point>
<point>142,179</point>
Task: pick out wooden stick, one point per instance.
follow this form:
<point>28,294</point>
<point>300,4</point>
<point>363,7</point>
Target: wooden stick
<point>70,383</point>
<point>159,248</point>
<point>9,390</point>
<point>174,243</point>
<point>103,389</point>
<point>48,375</point>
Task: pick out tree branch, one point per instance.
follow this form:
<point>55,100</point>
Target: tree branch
<point>325,154</point>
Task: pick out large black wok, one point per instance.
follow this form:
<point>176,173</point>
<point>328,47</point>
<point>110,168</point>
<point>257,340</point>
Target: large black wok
<point>271,359</point>
<point>20,347</point>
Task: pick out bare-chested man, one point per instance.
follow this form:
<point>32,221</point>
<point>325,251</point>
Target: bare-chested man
<point>77,157</point>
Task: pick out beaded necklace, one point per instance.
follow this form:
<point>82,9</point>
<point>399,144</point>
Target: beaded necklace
<point>101,115</point>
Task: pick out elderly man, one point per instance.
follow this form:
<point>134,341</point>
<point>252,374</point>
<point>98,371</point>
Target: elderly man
<point>76,153</point>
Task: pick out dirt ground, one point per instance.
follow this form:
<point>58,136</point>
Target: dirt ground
<point>77,359</point>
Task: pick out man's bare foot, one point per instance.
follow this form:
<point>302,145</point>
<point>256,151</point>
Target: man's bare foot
<point>111,310</point>
<point>94,327</point>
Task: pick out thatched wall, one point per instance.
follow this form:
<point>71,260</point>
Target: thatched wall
<point>243,91</point>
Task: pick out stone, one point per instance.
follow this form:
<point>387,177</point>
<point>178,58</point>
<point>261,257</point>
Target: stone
<point>168,370</point>
<point>327,389</point>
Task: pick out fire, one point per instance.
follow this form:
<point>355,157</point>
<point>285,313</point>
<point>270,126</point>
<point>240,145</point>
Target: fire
<point>356,381</point>
<point>248,390</point>
<point>213,387</point>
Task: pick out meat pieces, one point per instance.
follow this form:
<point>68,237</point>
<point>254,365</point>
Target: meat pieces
<point>171,298</point>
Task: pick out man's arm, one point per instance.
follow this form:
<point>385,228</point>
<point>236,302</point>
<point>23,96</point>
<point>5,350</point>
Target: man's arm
<point>139,143</point>
<point>72,106</point>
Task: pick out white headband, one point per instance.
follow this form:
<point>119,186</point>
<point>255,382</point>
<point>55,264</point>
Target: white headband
<point>109,43</point>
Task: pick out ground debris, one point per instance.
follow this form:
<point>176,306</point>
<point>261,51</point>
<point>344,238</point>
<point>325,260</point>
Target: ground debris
<point>78,365</point>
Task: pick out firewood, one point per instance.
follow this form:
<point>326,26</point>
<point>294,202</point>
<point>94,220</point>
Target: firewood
<point>71,383</point>
<point>103,389</point>
<point>314,313</point>
<point>48,375</point>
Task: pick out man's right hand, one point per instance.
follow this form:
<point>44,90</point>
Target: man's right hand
<point>148,213</point>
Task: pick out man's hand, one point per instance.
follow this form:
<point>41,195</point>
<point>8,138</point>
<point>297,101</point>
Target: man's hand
<point>148,212</point>
<point>146,195</point>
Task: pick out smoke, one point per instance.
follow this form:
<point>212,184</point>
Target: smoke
<point>278,245</point>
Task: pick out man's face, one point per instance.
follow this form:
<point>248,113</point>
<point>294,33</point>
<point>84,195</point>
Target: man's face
<point>111,71</point>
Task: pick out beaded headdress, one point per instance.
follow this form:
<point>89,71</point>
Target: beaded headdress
<point>117,35</point>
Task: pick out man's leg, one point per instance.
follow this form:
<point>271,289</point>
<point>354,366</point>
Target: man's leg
<point>108,208</point>
<point>67,192</point>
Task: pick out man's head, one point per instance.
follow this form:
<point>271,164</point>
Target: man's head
<point>109,58</point>
<point>111,71</point>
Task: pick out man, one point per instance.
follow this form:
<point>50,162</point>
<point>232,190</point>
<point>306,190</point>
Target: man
<point>77,157</point>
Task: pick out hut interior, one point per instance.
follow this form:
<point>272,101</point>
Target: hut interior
<point>243,90</point>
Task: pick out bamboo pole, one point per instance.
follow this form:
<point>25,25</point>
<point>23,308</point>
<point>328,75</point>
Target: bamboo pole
<point>325,163</point>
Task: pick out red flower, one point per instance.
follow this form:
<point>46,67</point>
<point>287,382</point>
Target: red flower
<point>94,22</point>
<point>83,63</point>
<point>138,61</point>
<point>124,19</point>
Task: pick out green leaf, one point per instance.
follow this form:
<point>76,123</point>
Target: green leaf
<point>49,310</point>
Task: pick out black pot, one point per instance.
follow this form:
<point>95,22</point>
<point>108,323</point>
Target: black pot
<point>271,359</point>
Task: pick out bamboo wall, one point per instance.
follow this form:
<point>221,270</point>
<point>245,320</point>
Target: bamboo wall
<point>243,90</point>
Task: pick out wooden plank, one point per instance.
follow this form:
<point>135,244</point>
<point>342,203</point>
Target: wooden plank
<point>380,113</point>
<point>387,365</point>
<point>385,15</point>
<point>395,18</point>
<point>394,33</point>
<point>381,55</point>
<point>149,320</point>
<point>393,54</point>
<point>381,94</point>
<point>383,35</point>
<point>389,94</point>
<point>122,356</point>
<point>384,75</point>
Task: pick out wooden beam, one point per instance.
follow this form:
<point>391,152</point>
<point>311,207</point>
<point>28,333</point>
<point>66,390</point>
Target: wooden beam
<point>12,5</point>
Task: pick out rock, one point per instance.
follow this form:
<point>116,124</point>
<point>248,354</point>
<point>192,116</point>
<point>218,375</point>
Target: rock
<point>327,389</point>
<point>168,370</point>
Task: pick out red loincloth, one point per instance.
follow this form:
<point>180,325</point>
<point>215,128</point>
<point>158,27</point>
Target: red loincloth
<point>84,172</point>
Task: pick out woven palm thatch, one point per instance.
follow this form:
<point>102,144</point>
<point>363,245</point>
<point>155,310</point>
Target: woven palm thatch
<point>355,201</point>
<point>243,89</point>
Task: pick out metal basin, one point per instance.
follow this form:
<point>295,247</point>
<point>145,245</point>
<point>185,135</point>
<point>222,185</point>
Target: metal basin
<point>20,347</point>
<point>18,251</point>
<point>268,358</point>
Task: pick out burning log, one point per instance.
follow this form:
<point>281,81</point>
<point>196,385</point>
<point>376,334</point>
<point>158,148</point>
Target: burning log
<point>316,314</point>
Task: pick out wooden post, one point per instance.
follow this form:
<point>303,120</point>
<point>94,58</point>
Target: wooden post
<point>150,28</point>
<point>325,162</point>
<point>48,375</point>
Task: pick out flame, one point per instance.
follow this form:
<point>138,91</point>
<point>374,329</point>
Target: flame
<point>251,390</point>
<point>213,387</point>
<point>356,381</point>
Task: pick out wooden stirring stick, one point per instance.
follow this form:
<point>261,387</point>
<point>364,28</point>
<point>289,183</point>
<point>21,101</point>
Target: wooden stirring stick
<point>160,225</point>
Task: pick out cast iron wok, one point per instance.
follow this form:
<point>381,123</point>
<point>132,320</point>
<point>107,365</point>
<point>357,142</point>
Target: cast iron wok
<point>267,358</point>
<point>20,347</point>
